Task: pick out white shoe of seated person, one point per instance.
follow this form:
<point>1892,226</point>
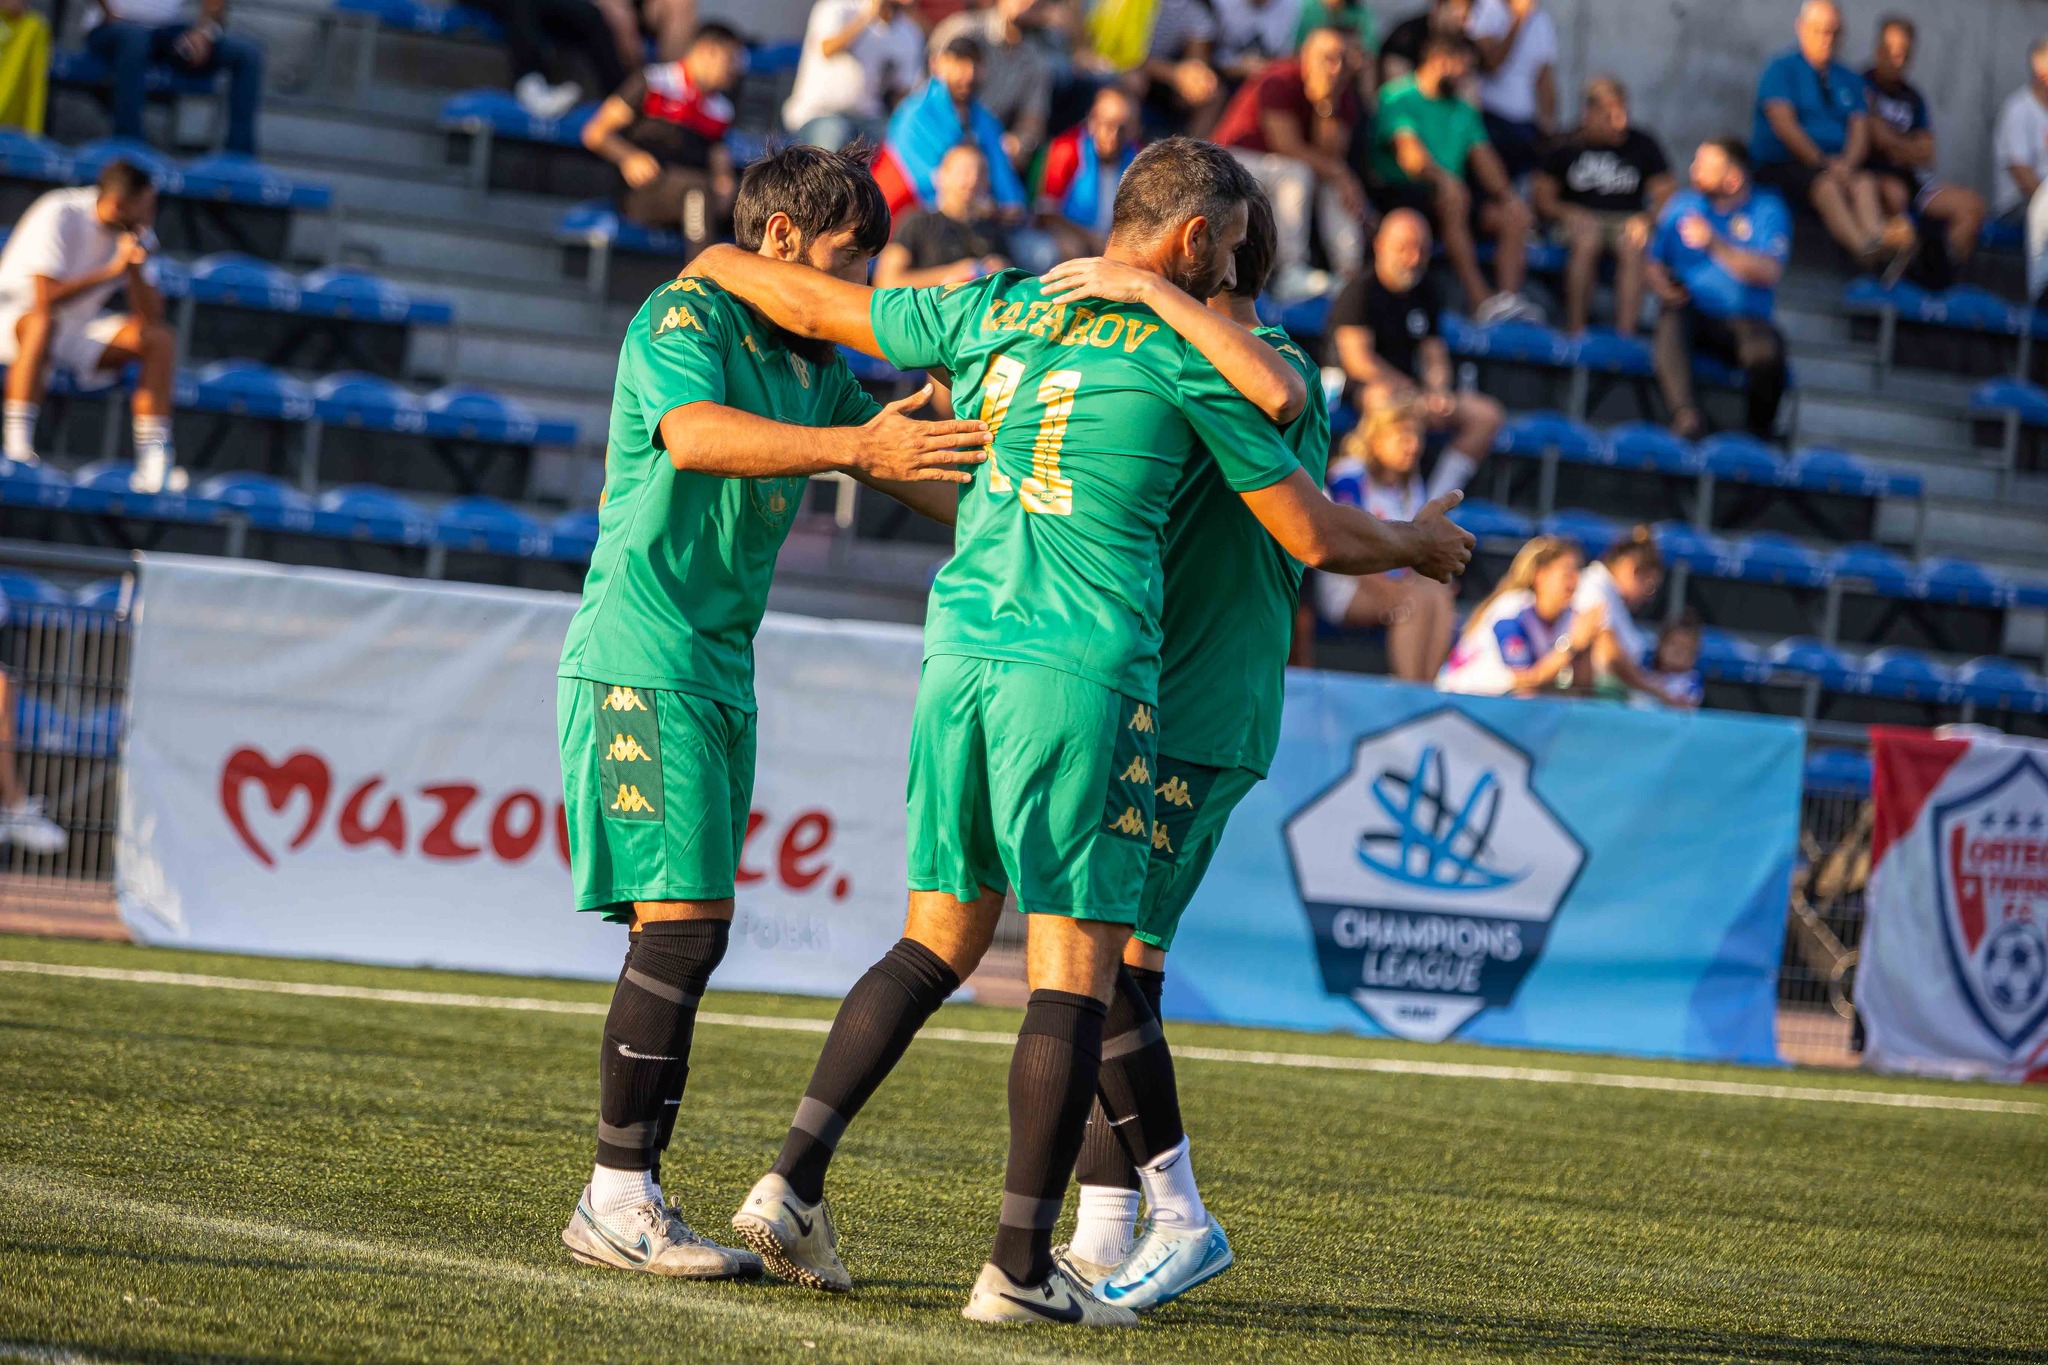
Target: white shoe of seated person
<point>23,457</point>
<point>543,100</point>
<point>26,827</point>
<point>158,476</point>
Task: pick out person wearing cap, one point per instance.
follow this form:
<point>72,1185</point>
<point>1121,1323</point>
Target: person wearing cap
<point>933,119</point>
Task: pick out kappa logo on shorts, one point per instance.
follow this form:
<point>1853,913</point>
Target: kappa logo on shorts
<point>1137,772</point>
<point>1130,823</point>
<point>630,801</point>
<point>1160,842</point>
<point>626,749</point>
<point>1141,719</point>
<point>1174,792</point>
<point>623,699</point>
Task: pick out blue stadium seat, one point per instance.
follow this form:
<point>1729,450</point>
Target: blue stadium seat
<point>411,16</point>
<point>83,68</point>
<point>20,588</point>
<point>478,415</point>
<point>372,513</point>
<point>1490,521</point>
<point>1518,343</point>
<point>234,178</point>
<point>1645,445</point>
<point>503,116</point>
<point>574,533</point>
<point>1767,557</point>
<point>89,160</point>
<point>1870,294</point>
<point>24,156</point>
<point>1307,317</point>
<point>1962,582</point>
<point>2002,685</point>
<point>1683,543</point>
<point>1592,533</point>
<point>1536,433</point>
<point>104,476</point>
<point>269,504</point>
<point>2001,396</point>
<point>339,293</point>
<point>239,281</point>
<point>1730,658</point>
<point>243,388</point>
<point>1824,469</point>
<point>1906,675</point>
<point>596,223</point>
<point>1741,458</point>
<point>481,523</point>
<point>354,399</point>
<point>103,596</point>
<point>1812,658</point>
<point>1837,772</point>
<point>1603,352</point>
<point>1888,573</point>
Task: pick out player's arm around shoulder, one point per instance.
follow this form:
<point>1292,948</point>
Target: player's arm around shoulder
<point>793,296</point>
<point>1348,540</point>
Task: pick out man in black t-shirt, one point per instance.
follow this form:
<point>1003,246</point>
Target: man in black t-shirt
<point>1385,333</point>
<point>1600,191</point>
<point>1401,50</point>
<point>955,240</point>
<point>665,128</point>
<point>1902,149</point>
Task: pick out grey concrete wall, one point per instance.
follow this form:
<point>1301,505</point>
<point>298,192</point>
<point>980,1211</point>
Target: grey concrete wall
<point>1692,64</point>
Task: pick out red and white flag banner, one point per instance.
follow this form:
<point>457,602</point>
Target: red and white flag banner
<point>1953,978</point>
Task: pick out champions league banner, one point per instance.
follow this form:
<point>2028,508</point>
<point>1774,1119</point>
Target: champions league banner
<point>1953,978</point>
<point>1527,873</point>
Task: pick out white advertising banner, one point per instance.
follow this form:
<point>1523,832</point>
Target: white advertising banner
<point>1953,978</point>
<point>351,766</point>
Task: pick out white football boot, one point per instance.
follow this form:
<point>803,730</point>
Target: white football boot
<point>1167,1263</point>
<point>1058,1302</point>
<point>654,1239</point>
<point>796,1239</point>
<point>1082,1271</point>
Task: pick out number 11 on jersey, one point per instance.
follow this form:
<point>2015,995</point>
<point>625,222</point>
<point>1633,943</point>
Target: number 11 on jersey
<point>1044,490</point>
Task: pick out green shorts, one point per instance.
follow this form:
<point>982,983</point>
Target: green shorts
<point>655,787</point>
<point>1023,775</point>
<point>1194,804</point>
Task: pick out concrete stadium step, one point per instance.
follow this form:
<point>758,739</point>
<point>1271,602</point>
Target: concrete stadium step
<point>1986,530</point>
<point>402,242</point>
<point>1815,326</point>
<point>559,360</point>
<point>377,137</point>
<point>427,197</point>
<point>1854,420</point>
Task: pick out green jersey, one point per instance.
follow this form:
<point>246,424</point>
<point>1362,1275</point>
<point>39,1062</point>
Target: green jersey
<point>1230,595</point>
<point>680,575</point>
<point>1449,127</point>
<point>1098,410</point>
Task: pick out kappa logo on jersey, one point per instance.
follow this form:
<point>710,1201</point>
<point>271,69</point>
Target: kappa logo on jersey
<point>630,801</point>
<point>1431,871</point>
<point>1130,823</point>
<point>623,699</point>
<point>626,749</point>
<point>1174,792</point>
<point>1141,720</point>
<point>1137,771</point>
<point>1991,879</point>
<point>677,318</point>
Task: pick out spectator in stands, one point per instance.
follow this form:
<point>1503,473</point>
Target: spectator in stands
<point>1430,153</point>
<point>1675,665</point>
<point>130,36</point>
<point>24,66</point>
<point>665,130</point>
<point>1525,638</point>
<point>671,23</point>
<point>1616,586</point>
<point>1292,129</point>
<point>1517,45</point>
<point>953,241</point>
<point>938,116</point>
<point>2021,143</point>
<point>1811,141</point>
<point>1182,90</point>
<point>1600,190</point>
<point>1016,76</point>
<point>1077,188</point>
<point>1715,262</point>
<point>68,255</point>
<point>859,57</point>
<point>1385,332</point>
<point>1253,34</point>
<point>22,822</point>
<point>1902,152</point>
<point>539,34</point>
<point>1401,54</point>
<point>1354,17</point>
<point>1379,468</point>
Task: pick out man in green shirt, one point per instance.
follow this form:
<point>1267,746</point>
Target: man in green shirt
<point>1034,740</point>
<point>718,418</point>
<point>1430,154</point>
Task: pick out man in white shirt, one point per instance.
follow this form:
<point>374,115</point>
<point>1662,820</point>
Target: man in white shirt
<point>1518,78</point>
<point>130,36</point>
<point>1253,34</point>
<point>2021,142</point>
<point>859,56</point>
<point>69,253</point>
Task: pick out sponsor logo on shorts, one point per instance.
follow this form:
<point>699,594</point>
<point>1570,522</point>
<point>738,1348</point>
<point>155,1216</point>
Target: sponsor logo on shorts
<point>1141,719</point>
<point>623,699</point>
<point>626,749</point>
<point>1130,823</point>
<point>1137,771</point>
<point>1160,842</point>
<point>630,801</point>
<point>1174,792</point>
<point>1431,871</point>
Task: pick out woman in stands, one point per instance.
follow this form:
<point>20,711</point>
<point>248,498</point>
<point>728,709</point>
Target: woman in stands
<point>1378,469</point>
<point>1526,638</point>
<point>1619,584</point>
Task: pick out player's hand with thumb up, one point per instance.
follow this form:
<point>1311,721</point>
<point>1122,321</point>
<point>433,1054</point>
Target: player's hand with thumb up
<point>1445,547</point>
<point>895,445</point>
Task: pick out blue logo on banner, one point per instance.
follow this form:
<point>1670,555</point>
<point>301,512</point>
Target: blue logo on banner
<point>1430,873</point>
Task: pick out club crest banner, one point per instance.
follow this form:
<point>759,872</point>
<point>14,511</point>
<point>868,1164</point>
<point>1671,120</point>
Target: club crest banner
<point>1532,873</point>
<point>1953,978</point>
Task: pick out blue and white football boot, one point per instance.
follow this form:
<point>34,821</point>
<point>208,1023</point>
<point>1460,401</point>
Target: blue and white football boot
<point>1166,1263</point>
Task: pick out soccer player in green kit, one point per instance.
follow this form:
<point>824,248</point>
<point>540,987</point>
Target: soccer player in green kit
<point>1034,740</point>
<point>1228,617</point>
<point>718,419</point>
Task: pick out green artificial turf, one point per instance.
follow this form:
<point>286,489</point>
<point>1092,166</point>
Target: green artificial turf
<point>190,1172</point>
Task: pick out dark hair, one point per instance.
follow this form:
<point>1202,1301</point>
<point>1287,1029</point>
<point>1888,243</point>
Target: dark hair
<point>1892,21</point>
<point>715,32</point>
<point>124,179</point>
<point>965,47</point>
<point>1343,33</point>
<point>1173,180</point>
<point>820,191</point>
<point>1446,45</point>
<point>1255,254</point>
<point>1734,148</point>
<point>1638,547</point>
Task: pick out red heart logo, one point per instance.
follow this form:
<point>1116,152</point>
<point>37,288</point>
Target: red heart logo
<point>303,771</point>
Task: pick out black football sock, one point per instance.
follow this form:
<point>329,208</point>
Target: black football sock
<point>1137,1083</point>
<point>875,1023</point>
<point>647,1038</point>
<point>1104,1162</point>
<point>1052,1084</point>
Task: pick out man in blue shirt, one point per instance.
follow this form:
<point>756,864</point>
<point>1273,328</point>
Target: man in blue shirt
<point>1715,262</point>
<point>1811,139</point>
